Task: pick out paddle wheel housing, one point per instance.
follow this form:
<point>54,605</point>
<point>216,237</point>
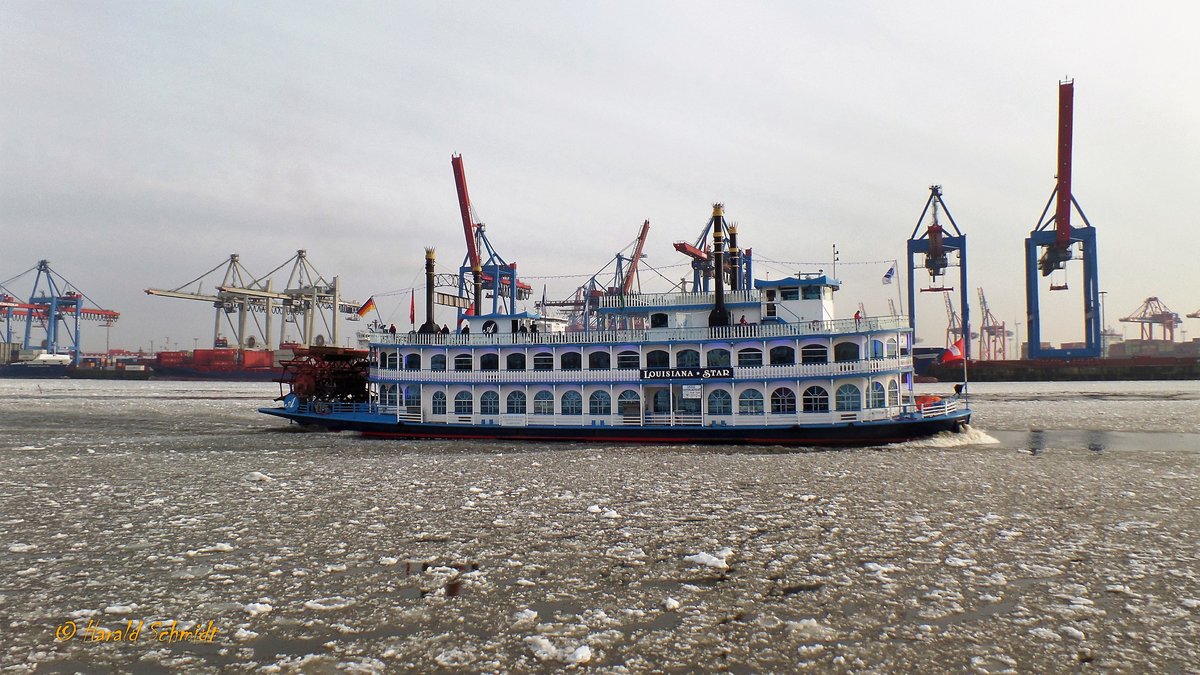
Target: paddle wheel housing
<point>330,374</point>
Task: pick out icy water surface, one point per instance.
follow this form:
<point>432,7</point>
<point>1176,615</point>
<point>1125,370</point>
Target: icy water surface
<point>1060,535</point>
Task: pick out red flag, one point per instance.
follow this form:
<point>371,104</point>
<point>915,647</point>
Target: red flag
<point>954,354</point>
<point>412,307</point>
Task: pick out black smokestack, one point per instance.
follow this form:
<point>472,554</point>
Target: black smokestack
<point>719,315</point>
<point>429,326</point>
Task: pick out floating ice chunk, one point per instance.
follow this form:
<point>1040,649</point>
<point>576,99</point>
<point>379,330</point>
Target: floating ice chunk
<point>545,650</point>
<point>582,654</point>
<point>670,604</point>
<point>1191,603</point>
<point>120,609</point>
<point>243,635</point>
<point>21,548</point>
<point>708,560</point>
<point>257,608</point>
<point>332,602</point>
<point>525,617</point>
<point>594,508</point>
<point>257,477</point>
<point>388,561</point>
<point>953,561</point>
<point>455,658</point>
<point>811,630</point>
<point>221,547</point>
<point>610,514</point>
<point>1045,634</point>
<point>1072,632</point>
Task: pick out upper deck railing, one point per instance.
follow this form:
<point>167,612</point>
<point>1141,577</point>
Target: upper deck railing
<point>763,331</point>
<point>675,299</point>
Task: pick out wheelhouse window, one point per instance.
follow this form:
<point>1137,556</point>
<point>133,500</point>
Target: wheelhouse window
<point>412,362</point>
<point>543,403</point>
<point>812,293</point>
<point>543,361</point>
<point>462,362</point>
<point>789,294</point>
<point>438,403</point>
<point>515,362</point>
<point>572,361</point>
<point>658,358</point>
<point>783,356</point>
<point>848,397</point>
<point>720,402</point>
<point>629,360</point>
<point>750,402</point>
<point>599,361</point>
<point>515,403</point>
<point>814,354</point>
<point>783,401</point>
<point>572,403</point>
<point>600,403</point>
<point>437,362</point>
<point>463,403</point>
<point>687,358</point>
<point>489,403</point>
<point>718,358</point>
<point>816,399</point>
<point>489,362</point>
<point>750,358</point>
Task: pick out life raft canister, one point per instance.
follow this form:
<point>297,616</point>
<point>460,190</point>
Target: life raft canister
<point>923,401</point>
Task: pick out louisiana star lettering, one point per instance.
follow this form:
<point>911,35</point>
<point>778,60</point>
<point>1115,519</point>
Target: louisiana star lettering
<point>685,373</point>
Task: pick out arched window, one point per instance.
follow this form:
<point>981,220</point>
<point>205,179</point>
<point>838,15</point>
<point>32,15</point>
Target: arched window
<point>572,361</point>
<point>515,362</point>
<point>412,362</point>
<point>658,358</point>
<point>814,354</point>
<point>720,402</point>
<point>628,360</point>
<point>600,403</point>
<point>543,361</point>
<point>848,397</point>
<point>750,402</point>
<point>629,403</point>
<point>662,401</point>
<point>463,403</point>
<point>437,362</point>
<point>543,403</point>
<point>750,358</point>
<point>572,403</point>
<point>878,395</point>
<point>390,359</point>
<point>816,399</point>
<point>462,362</point>
<point>893,393</point>
<point>845,351</point>
<point>439,403</point>
<point>877,351</point>
<point>515,403</point>
<point>718,358</point>
<point>489,403</point>
<point>891,350</point>
<point>687,358</point>
<point>783,401</point>
<point>387,394</point>
<point>783,356</point>
<point>412,397</point>
<point>599,361</point>
<point>489,362</point>
<point>658,320</point>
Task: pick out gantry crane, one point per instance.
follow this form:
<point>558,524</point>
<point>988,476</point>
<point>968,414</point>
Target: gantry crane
<point>583,307</point>
<point>1153,312</point>
<point>56,308</point>
<point>937,245</point>
<point>993,334</point>
<point>954,325</point>
<point>739,264</point>
<point>1057,238</point>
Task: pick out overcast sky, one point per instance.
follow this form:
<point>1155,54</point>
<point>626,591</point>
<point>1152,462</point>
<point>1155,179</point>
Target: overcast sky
<point>143,142</point>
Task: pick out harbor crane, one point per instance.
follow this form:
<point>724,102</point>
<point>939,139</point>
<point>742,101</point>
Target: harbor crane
<point>1057,240</point>
<point>1153,312</point>
<point>993,334</point>
<point>1194,315</point>
<point>738,263</point>
<point>55,309</point>
<point>941,250</point>
<point>583,307</point>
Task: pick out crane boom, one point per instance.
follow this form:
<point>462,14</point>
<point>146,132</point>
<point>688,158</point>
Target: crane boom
<point>1062,209</point>
<point>637,255</point>
<point>464,205</point>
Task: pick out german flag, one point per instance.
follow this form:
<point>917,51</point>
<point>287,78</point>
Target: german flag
<point>367,306</point>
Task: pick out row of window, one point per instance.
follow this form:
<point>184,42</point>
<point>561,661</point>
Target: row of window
<point>750,401</point>
<point>658,358</point>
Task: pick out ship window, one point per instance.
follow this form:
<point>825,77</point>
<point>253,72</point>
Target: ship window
<point>783,401</point>
<point>720,402</point>
<point>489,403</point>
<point>543,403</point>
<point>750,358</point>
<point>893,393</point>
<point>600,403</point>
<point>412,362</point>
<point>489,362</point>
<point>628,359</point>
<point>845,351</point>
<point>877,351</point>
<point>814,354</point>
<point>437,362</point>
<point>812,292</point>
<point>658,359</point>
<point>515,362</point>
<point>572,403</point>
<point>750,402</point>
<point>891,350</point>
<point>687,358</point>
<point>439,403</point>
<point>599,361</point>
<point>688,405</point>
<point>658,320</point>
<point>790,294</point>
<point>718,358</point>
<point>816,399</point>
<point>848,397</point>
<point>783,356</point>
<point>543,361</point>
<point>391,360</point>
<point>572,361</point>
<point>629,403</point>
<point>463,403</point>
<point>878,395</point>
<point>387,394</point>
<point>462,362</point>
<point>662,401</point>
<point>515,403</point>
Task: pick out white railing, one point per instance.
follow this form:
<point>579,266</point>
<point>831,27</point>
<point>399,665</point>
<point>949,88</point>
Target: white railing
<point>764,331</point>
<point>677,300</point>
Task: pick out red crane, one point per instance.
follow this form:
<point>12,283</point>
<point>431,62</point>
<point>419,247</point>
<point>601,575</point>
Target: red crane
<point>1152,312</point>
<point>1060,251</point>
<point>993,334</point>
<point>631,273</point>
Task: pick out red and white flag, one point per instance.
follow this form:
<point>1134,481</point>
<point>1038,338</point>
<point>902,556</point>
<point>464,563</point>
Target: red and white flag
<point>954,353</point>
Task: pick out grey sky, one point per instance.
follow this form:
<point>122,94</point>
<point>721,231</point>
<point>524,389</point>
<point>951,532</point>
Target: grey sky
<point>142,143</point>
